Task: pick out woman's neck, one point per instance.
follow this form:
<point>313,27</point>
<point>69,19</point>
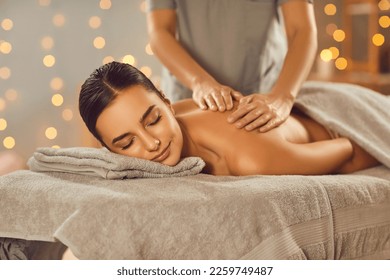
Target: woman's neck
<point>188,143</point>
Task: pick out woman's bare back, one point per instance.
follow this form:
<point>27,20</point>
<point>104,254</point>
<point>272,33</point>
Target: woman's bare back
<point>228,150</point>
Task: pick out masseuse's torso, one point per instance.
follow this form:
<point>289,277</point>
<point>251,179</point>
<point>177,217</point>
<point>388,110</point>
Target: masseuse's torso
<point>228,150</point>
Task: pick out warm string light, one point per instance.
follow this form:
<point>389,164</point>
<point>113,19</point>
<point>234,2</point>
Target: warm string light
<point>338,35</point>
<point>51,59</point>
<point>5,47</point>
<point>7,24</point>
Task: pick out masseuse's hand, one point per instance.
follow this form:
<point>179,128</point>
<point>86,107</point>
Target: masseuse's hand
<point>214,96</point>
<point>261,111</point>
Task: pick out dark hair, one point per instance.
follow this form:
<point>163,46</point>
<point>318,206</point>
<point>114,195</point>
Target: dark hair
<point>103,85</point>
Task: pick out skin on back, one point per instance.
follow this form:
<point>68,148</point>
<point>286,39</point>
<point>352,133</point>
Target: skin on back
<point>298,146</point>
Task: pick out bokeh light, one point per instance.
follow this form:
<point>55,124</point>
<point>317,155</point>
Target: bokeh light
<point>378,39</point>
<point>5,47</point>
<point>384,5</point>
<point>331,28</point>
<point>11,94</point>
<point>339,35</point>
<point>99,42</point>
<point>56,83</point>
<point>57,99</point>
<point>326,55</point>
<point>7,24</point>
<point>129,59</point>
<point>44,3</point>
<point>47,43</point>
<point>105,4</point>
<point>51,133</point>
<point>148,49</point>
<point>341,63</point>
<point>2,104</point>
<point>142,6</point>
<point>55,146</point>
<point>3,124</point>
<point>94,22</point>
<point>384,21</point>
<point>59,20</point>
<point>335,52</point>
<point>146,70</point>
<point>5,73</point>
<point>330,9</point>
<point>49,60</point>
<point>108,59</point>
<point>9,142</point>
<point>67,114</point>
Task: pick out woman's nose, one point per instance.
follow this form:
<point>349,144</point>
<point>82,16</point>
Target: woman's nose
<point>151,143</point>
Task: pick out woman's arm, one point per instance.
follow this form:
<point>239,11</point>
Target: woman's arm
<point>207,92</point>
<point>322,157</point>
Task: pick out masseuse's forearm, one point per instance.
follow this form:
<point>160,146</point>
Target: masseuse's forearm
<point>298,62</point>
<point>177,59</point>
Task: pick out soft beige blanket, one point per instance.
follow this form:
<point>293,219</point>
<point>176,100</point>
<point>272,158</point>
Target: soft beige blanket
<point>202,216</point>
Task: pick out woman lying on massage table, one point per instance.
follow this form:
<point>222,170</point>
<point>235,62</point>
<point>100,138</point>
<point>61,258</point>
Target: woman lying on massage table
<point>128,115</point>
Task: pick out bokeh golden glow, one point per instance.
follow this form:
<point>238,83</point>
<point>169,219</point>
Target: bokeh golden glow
<point>44,3</point>
<point>99,42</point>
<point>384,5</point>
<point>47,43</point>
<point>339,35</point>
<point>2,104</point>
<point>51,133</point>
<point>3,124</point>
<point>330,9</point>
<point>142,6</point>
<point>94,22</point>
<point>5,47</point>
<point>147,71</point>
<point>378,39</point>
<point>331,28</point>
<point>326,55</point>
<point>335,52</point>
<point>9,142</point>
<point>59,20</point>
<point>7,24</point>
<point>108,59</point>
<point>67,114</point>
<point>384,21</point>
<point>11,94</point>
<point>56,83</point>
<point>148,49</point>
<point>55,147</point>
<point>5,73</point>
<point>341,63</point>
<point>105,4</point>
<point>57,99</point>
<point>129,59</point>
<point>49,60</point>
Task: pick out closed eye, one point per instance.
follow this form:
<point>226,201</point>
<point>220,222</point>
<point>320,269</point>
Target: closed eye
<point>155,121</point>
<point>129,144</point>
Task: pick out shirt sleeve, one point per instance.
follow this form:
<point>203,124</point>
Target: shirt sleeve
<point>160,4</point>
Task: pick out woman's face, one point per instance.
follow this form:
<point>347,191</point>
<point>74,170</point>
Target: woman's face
<point>138,123</point>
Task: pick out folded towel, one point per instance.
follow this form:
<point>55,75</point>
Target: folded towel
<point>103,163</point>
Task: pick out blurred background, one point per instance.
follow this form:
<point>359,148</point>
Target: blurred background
<point>49,47</point>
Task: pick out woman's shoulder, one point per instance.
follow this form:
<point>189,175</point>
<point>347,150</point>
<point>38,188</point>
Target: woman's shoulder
<point>184,106</point>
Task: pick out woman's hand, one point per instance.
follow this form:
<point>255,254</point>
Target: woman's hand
<point>214,96</point>
<point>262,111</point>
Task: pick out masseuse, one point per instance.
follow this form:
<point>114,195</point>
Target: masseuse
<point>215,50</point>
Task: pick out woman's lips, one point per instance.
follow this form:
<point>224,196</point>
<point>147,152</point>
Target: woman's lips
<point>163,155</point>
